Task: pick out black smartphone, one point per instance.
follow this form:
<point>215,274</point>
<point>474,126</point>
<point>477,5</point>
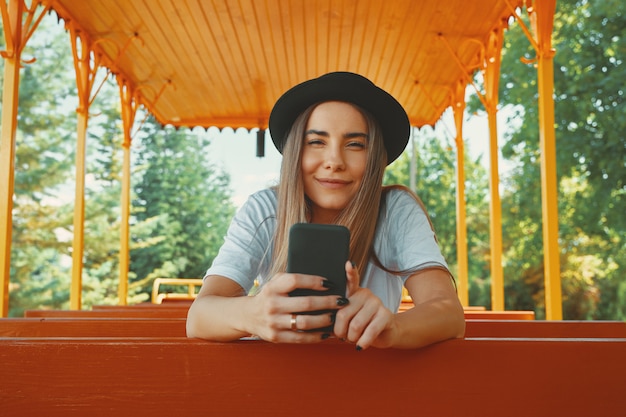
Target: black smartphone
<point>319,249</point>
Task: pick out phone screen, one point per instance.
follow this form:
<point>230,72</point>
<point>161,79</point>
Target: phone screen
<point>319,249</point>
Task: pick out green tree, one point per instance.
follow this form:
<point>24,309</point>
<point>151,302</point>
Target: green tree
<point>590,119</point>
<point>436,187</point>
<point>44,190</point>
<point>184,200</point>
<point>42,166</point>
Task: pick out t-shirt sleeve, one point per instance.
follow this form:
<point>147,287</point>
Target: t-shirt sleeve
<point>246,251</point>
<point>410,240</point>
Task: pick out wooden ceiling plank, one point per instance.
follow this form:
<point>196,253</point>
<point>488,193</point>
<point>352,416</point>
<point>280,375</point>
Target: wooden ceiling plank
<point>229,60</point>
<point>346,38</point>
<point>415,68</point>
<point>218,76</point>
<point>395,20</point>
<point>361,27</point>
<point>214,76</point>
<point>300,48</point>
<point>336,10</point>
<point>184,40</point>
<point>284,65</point>
<point>271,57</point>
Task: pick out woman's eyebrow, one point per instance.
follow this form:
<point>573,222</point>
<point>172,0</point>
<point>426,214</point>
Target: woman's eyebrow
<point>316,132</point>
<point>353,135</point>
<point>349,135</point>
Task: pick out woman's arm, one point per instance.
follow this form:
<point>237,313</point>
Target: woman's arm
<point>223,312</point>
<point>437,313</point>
<point>218,311</point>
<point>436,316</point>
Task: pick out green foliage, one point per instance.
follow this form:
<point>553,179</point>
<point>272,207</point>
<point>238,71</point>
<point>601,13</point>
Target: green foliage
<point>39,268</point>
<point>181,202</point>
<point>184,199</point>
<point>590,118</point>
<point>436,186</point>
<point>44,191</point>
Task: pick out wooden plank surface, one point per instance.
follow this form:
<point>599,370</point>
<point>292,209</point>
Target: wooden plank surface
<point>175,327</point>
<point>171,311</point>
<point>92,327</point>
<point>184,377</point>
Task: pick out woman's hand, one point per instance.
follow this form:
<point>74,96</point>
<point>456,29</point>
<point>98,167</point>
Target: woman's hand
<point>365,321</point>
<point>275,315</point>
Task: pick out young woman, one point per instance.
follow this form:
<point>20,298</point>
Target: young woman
<point>337,133</point>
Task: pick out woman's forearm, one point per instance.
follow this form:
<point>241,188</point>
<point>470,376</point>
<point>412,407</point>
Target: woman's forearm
<point>218,318</point>
<point>430,322</point>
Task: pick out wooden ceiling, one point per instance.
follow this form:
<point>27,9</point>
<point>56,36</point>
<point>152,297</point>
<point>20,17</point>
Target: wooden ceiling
<point>225,62</point>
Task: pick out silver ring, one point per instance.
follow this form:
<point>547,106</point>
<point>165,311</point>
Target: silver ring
<point>294,322</point>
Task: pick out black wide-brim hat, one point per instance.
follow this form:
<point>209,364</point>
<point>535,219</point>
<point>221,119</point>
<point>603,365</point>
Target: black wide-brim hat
<point>347,87</point>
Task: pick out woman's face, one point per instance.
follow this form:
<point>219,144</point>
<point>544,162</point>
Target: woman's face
<point>334,158</point>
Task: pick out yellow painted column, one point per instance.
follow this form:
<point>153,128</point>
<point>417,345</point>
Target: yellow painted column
<point>85,69</point>
<point>547,141</point>
<point>461,222</point>
<point>492,75</point>
<point>124,256</point>
<point>541,14</point>
<point>10,98</point>
<point>79,213</point>
<point>128,117</point>
<point>495,211</point>
<point>18,25</point>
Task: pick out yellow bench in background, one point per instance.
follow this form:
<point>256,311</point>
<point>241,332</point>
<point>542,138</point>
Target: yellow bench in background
<point>191,283</point>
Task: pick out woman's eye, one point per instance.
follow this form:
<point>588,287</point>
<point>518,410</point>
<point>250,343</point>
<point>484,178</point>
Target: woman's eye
<point>314,141</point>
<point>358,145</point>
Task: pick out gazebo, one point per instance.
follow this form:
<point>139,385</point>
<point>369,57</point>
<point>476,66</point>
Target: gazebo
<point>223,63</point>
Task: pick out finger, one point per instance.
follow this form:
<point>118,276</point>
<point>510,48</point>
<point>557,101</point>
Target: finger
<point>352,274</point>
<point>360,322</point>
<point>286,283</point>
<point>375,327</point>
<point>308,322</point>
<point>303,337</point>
<point>311,303</point>
<point>344,317</point>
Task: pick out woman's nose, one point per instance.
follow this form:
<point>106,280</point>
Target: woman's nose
<point>333,158</point>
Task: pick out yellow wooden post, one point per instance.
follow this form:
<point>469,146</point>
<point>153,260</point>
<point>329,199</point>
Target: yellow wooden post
<point>79,212</point>
<point>541,15</point>
<point>492,75</point>
<point>461,222</point>
<point>12,23</point>
<point>18,26</point>
<point>128,117</point>
<point>85,69</point>
<point>544,12</point>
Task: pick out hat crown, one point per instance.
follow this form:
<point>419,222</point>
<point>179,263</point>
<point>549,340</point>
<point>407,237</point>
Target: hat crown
<point>343,86</point>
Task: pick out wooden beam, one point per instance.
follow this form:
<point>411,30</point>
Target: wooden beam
<point>86,63</point>
<point>461,218</point>
<point>18,23</point>
<point>493,59</point>
<point>10,98</point>
<point>547,142</point>
<point>178,376</point>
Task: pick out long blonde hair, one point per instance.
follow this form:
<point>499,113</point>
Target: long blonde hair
<point>359,216</point>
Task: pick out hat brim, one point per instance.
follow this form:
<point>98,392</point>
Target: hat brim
<point>347,87</point>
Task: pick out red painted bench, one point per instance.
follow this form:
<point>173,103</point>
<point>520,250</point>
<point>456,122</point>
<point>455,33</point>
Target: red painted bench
<point>127,312</point>
<point>92,327</point>
<point>184,377</point>
<point>168,327</point>
<point>164,310</point>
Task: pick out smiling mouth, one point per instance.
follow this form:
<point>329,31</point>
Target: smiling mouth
<point>332,183</point>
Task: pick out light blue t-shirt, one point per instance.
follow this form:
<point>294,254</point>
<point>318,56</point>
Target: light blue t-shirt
<point>404,240</point>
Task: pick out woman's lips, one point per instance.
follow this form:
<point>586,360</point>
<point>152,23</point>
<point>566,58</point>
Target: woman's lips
<point>332,183</point>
